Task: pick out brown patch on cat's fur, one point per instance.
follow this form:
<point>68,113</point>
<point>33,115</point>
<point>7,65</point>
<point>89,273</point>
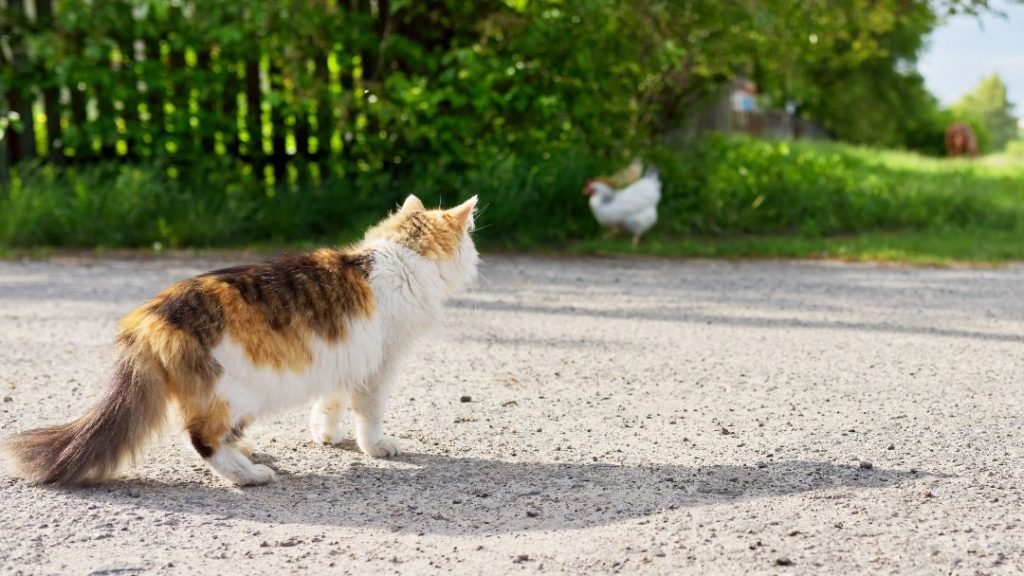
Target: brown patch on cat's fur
<point>181,325</point>
<point>207,426</point>
<point>272,309</point>
<point>276,340</point>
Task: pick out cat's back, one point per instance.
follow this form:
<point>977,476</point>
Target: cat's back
<point>316,292</point>
<point>275,310</point>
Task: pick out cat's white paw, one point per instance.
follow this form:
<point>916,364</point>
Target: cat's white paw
<point>255,475</point>
<point>383,448</point>
<point>230,463</point>
<point>323,432</point>
<point>325,423</point>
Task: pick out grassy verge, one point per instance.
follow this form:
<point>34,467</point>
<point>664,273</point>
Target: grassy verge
<point>931,248</point>
<point>922,248</point>
<point>722,197</point>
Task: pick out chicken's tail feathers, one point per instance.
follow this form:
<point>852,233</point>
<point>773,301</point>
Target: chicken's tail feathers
<point>92,447</point>
<point>651,172</point>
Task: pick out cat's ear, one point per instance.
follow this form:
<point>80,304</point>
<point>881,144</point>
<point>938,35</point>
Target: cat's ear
<point>412,204</point>
<point>462,214</point>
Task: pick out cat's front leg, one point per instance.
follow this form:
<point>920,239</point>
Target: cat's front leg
<point>369,404</point>
<point>325,418</point>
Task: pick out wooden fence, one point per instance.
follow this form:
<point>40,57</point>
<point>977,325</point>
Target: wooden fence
<point>87,81</point>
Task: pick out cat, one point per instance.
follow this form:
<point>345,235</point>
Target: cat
<point>229,346</point>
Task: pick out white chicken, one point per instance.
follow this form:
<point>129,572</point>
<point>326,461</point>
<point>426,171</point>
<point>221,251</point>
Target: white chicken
<point>634,208</point>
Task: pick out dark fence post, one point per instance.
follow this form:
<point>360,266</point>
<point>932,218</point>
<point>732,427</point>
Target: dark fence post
<point>302,130</point>
<point>208,118</point>
<point>155,91</point>
<point>79,117</point>
<point>279,158</point>
<point>324,114</point>
<point>178,94</point>
<point>254,116</point>
<point>105,118</point>
<point>51,92</point>
<point>5,171</point>
<point>5,160</point>
<point>22,143</point>
<point>128,83</point>
<point>229,107</point>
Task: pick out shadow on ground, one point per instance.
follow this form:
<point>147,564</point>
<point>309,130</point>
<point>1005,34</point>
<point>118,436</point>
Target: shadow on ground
<point>423,493</point>
<point>662,313</point>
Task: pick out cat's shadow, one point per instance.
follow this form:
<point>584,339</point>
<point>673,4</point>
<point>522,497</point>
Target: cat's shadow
<point>423,493</point>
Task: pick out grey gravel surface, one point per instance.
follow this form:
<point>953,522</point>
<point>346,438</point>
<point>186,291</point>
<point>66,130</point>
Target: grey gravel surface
<point>577,417</point>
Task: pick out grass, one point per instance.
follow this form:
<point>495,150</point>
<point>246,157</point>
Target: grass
<point>722,197</point>
<point>922,248</point>
<point>929,248</point>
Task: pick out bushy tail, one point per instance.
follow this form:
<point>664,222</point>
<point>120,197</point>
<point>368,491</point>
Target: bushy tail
<point>91,448</point>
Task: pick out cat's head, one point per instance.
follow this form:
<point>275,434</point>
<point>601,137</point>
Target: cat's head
<point>443,237</point>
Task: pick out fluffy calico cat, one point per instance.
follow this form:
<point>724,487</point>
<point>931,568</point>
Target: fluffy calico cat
<point>229,346</point>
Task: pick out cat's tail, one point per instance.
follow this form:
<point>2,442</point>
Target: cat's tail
<point>92,447</point>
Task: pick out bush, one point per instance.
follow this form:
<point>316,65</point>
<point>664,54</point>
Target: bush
<point>717,187</point>
<point>740,186</point>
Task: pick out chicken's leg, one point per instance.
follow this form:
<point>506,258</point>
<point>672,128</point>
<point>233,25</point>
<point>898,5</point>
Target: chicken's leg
<point>611,232</point>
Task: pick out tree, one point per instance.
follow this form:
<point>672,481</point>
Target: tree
<point>988,105</point>
<point>871,95</point>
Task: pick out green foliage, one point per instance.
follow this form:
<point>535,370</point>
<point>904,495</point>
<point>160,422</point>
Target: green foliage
<point>366,87</point>
<point>236,122</point>
<point>741,186</point>
<point>988,106</point>
<point>113,204</point>
<point>876,99</point>
<point>722,187</point>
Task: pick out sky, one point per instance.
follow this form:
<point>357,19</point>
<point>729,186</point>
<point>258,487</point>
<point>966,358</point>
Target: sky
<point>965,49</point>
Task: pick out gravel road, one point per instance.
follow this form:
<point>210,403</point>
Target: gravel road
<point>576,417</point>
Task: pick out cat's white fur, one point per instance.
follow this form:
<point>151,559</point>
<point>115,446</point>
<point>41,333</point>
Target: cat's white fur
<point>409,293</point>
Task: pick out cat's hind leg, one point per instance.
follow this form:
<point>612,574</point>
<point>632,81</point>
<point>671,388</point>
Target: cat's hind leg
<point>214,438</point>
<point>232,464</point>
<point>369,403</point>
<point>325,418</point>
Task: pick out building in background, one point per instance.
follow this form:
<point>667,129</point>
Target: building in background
<point>738,109</point>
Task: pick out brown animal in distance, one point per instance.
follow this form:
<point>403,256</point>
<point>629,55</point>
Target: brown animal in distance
<point>961,141</point>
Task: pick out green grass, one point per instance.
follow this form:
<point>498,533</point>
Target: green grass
<point>722,197</point>
<point>926,248</point>
<point>934,248</point>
